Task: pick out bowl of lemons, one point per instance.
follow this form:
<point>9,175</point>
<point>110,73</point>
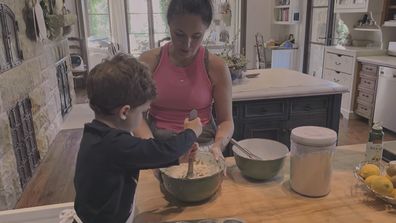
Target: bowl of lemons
<point>379,179</point>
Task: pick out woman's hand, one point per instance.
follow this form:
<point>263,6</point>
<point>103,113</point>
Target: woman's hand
<point>191,153</point>
<point>217,152</point>
<point>218,155</point>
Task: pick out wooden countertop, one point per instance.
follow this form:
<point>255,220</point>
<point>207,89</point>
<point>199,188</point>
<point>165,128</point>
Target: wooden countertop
<point>282,83</point>
<point>272,201</point>
<point>383,60</point>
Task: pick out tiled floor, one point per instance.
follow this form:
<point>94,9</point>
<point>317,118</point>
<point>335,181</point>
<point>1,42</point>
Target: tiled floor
<point>78,116</point>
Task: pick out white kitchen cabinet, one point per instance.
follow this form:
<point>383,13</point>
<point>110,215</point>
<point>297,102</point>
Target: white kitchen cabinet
<point>343,79</point>
<point>340,66</point>
<point>284,58</point>
<point>346,6</point>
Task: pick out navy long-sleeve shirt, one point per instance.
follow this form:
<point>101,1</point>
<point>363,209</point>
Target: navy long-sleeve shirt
<point>108,165</point>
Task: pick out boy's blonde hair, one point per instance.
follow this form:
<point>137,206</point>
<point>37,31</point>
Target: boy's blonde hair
<point>120,81</point>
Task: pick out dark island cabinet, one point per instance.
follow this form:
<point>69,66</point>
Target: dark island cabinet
<point>275,118</point>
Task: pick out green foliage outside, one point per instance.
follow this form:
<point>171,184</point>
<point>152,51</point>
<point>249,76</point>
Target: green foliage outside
<point>99,25</point>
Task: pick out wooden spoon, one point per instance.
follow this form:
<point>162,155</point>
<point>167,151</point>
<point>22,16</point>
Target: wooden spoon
<point>190,171</point>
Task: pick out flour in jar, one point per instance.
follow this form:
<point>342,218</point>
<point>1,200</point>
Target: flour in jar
<point>310,173</point>
<point>201,169</point>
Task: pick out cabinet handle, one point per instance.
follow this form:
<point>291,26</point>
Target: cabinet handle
<point>337,63</point>
<point>337,71</point>
<point>307,108</point>
<point>339,55</point>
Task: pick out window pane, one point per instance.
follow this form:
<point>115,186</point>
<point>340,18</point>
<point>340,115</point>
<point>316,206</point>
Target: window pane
<point>319,21</point>
<point>320,3</point>
<point>160,36</point>
<point>138,23</point>
<point>13,42</point>
<point>98,6</point>
<point>160,6</point>
<point>99,26</point>
<point>137,6</point>
<point>3,59</point>
<point>160,24</point>
<point>138,43</point>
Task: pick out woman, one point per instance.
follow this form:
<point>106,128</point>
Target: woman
<point>188,77</point>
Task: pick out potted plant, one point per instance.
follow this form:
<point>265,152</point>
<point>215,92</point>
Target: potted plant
<point>236,64</point>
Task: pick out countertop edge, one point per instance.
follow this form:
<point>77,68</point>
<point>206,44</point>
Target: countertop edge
<point>280,93</point>
<point>377,61</point>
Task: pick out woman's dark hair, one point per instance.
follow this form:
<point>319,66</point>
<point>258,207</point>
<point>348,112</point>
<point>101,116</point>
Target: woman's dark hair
<point>119,81</point>
<point>201,8</point>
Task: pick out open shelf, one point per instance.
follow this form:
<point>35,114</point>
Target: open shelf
<point>284,23</point>
<point>282,6</point>
<point>368,29</point>
<point>286,12</point>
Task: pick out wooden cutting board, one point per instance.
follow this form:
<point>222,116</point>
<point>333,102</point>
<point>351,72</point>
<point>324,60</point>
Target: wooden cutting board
<point>272,201</point>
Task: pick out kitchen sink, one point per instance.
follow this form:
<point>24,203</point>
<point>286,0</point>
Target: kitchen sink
<point>217,220</point>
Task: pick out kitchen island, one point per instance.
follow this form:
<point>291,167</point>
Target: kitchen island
<point>278,100</point>
<point>271,201</point>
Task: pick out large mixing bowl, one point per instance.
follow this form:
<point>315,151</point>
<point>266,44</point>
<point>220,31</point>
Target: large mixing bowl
<point>197,188</point>
<point>272,154</point>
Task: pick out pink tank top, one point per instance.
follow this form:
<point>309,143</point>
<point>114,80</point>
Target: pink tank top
<point>179,90</point>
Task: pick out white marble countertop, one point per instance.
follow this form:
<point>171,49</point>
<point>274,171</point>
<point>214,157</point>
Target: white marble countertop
<point>282,83</point>
<point>383,60</point>
<point>357,48</point>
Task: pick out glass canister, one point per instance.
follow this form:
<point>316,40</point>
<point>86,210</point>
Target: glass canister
<point>312,150</point>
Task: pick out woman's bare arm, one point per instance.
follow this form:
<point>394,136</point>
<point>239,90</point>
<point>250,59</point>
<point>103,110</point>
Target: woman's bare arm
<point>150,59</point>
<point>222,94</point>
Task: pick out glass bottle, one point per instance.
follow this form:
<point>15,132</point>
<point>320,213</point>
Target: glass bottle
<point>374,147</point>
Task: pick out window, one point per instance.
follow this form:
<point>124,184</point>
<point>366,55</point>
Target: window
<point>98,14</point>
<point>10,53</point>
<point>146,24</point>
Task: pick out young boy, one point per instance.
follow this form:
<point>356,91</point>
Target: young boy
<point>120,91</point>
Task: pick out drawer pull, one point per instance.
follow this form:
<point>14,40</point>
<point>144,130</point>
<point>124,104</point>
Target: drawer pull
<point>337,72</point>
<point>339,55</point>
<point>337,63</point>
<point>336,80</point>
<point>307,108</point>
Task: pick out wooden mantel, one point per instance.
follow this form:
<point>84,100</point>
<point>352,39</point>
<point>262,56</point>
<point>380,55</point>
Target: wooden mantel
<point>272,201</point>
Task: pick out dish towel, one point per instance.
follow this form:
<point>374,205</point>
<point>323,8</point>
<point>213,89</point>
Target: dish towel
<point>69,216</point>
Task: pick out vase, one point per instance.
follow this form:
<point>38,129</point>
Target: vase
<point>236,74</point>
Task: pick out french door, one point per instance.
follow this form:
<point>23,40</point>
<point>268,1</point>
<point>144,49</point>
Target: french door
<point>319,26</point>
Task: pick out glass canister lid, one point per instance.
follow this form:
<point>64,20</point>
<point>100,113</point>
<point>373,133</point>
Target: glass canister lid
<point>313,136</point>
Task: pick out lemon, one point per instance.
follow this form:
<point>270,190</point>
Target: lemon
<point>382,185</point>
<point>393,180</point>
<point>369,180</point>
<point>369,170</point>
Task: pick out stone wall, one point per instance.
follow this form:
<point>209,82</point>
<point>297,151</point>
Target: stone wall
<point>34,78</point>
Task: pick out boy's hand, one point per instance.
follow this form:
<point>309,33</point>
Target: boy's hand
<point>190,153</point>
<point>194,125</point>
